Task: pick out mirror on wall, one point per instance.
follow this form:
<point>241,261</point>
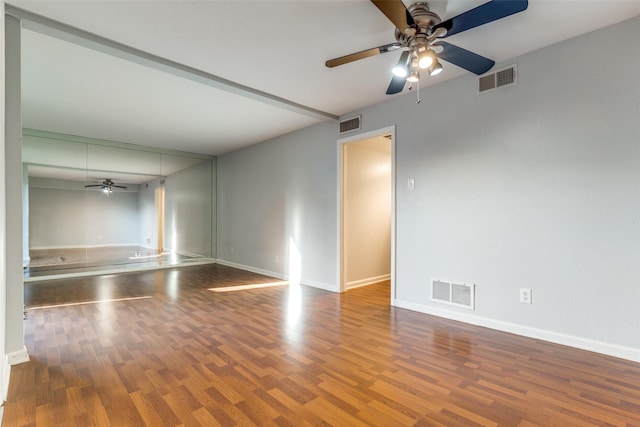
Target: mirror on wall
<point>97,205</point>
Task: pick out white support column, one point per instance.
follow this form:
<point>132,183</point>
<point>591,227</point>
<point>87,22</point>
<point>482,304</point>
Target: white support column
<point>14,331</point>
<point>4,369</point>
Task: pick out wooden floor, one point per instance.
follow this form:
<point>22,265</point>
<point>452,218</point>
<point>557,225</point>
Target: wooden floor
<point>165,350</point>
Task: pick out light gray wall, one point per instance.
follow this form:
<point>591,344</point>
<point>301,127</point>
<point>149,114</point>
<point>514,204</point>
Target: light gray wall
<point>147,211</point>
<point>276,193</point>
<point>188,210</point>
<point>531,186</point>
<point>112,220</point>
<point>70,215</point>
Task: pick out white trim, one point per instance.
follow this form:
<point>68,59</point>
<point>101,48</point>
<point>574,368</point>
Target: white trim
<point>252,269</point>
<point>6,369</point>
<point>11,359</point>
<point>394,225</point>
<point>275,274</point>
<point>628,353</point>
<point>18,357</point>
<point>6,375</point>
<point>187,254</point>
<point>390,130</point>
<point>368,281</point>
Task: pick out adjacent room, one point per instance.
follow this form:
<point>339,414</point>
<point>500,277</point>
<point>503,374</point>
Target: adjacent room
<point>320,213</point>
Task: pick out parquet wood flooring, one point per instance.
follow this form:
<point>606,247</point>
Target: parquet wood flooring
<point>164,350</point>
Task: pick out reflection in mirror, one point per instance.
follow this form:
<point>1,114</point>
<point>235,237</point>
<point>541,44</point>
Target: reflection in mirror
<point>98,207</point>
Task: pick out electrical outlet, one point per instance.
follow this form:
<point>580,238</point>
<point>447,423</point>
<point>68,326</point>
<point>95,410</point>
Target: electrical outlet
<point>411,184</point>
<point>525,296</point>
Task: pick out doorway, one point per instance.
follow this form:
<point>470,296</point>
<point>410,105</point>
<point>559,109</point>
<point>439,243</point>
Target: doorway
<point>366,209</point>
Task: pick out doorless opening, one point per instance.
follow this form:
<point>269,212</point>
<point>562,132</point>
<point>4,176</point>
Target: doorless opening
<point>366,209</point>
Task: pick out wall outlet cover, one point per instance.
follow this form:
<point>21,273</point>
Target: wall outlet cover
<point>525,295</point>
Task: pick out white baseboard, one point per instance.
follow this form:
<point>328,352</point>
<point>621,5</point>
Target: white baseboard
<point>368,281</point>
<point>277,275</point>
<point>13,358</point>
<point>4,381</point>
<point>252,269</point>
<point>608,349</point>
<point>320,285</point>
<point>190,254</point>
<point>18,357</point>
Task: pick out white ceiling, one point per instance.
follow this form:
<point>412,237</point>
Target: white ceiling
<point>277,48</point>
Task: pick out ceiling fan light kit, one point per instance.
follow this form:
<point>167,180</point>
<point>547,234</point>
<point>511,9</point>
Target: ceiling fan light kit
<point>419,30</point>
<point>400,69</point>
<point>435,68</point>
<point>425,58</point>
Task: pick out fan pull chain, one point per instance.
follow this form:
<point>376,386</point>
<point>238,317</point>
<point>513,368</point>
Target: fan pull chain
<point>418,93</point>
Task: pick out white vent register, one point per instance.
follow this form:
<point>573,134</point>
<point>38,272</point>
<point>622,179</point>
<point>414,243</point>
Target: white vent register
<point>501,78</point>
<point>458,294</point>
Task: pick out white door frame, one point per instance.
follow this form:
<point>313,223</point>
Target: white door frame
<point>391,130</point>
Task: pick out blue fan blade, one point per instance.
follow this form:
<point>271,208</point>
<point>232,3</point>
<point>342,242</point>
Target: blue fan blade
<point>483,14</point>
<point>397,83</point>
<point>464,59</point>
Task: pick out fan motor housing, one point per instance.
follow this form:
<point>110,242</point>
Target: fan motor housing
<point>424,18</point>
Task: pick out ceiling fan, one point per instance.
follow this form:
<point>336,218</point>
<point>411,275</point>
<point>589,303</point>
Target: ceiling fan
<point>107,185</point>
<point>421,30</point>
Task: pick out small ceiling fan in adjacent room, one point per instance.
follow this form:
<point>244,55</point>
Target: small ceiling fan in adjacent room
<point>107,186</point>
<point>420,31</point>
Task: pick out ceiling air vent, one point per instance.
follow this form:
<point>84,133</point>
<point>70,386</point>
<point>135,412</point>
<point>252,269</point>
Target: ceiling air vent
<point>350,125</point>
<point>460,295</point>
<point>500,78</point>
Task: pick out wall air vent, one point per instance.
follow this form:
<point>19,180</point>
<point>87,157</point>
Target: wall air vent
<point>350,125</point>
<point>460,295</point>
<point>501,78</point>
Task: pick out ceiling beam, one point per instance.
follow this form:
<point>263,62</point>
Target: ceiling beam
<point>43,25</point>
